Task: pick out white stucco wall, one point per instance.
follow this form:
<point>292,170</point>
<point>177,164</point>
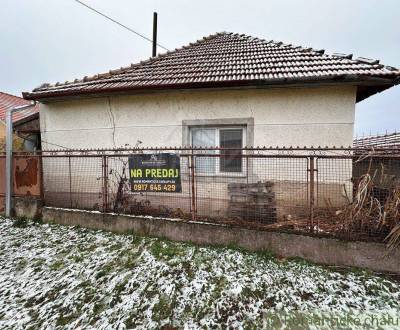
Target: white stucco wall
<point>282,117</point>
<point>285,117</point>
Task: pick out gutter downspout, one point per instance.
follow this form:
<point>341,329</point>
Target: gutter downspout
<point>9,151</point>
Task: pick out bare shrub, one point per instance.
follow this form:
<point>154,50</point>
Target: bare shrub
<point>374,210</point>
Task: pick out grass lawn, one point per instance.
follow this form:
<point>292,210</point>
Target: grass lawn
<point>67,277</point>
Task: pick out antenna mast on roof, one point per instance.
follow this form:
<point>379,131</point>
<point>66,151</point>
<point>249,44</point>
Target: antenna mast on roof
<point>154,54</point>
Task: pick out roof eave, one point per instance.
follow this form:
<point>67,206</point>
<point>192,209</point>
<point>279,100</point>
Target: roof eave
<point>26,119</point>
<point>365,91</point>
<point>372,82</point>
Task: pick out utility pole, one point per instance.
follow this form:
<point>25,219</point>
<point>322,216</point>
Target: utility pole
<point>9,151</point>
<point>154,54</point>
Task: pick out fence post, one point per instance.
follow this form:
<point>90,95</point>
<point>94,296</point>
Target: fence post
<point>41,182</point>
<point>104,165</point>
<point>311,191</point>
<point>192,178</point>
<point>70,181</point>
<point>9,155</point>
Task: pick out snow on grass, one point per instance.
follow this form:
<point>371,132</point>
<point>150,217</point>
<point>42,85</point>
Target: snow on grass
<point>67,277</point>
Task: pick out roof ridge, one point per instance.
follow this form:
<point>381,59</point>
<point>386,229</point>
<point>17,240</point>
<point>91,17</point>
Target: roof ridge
<point>320,51</point>
<point>231,58</point>
<point>359,59</point>
<point>348,57</point>
<point>9,94</point>
<point>132,65</point>
<point>162,55</point>
<point>154,59</point>
<point>285,44</point>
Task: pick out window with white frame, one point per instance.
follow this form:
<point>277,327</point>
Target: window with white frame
<point>230,161</point>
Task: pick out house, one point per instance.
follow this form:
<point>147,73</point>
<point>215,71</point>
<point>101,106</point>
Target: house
<point>226,90</point>
<point>28,139</point>
<point>276,94</point>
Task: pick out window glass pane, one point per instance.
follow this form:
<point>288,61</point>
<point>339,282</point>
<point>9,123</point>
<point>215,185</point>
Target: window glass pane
<point>205,137</point>
<point>231,160</point>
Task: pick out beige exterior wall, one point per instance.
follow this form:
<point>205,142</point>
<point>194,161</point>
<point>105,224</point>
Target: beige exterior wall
<point>284,117</point>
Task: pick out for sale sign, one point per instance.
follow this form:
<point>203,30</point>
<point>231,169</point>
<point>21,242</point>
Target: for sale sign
<point>155,172</point>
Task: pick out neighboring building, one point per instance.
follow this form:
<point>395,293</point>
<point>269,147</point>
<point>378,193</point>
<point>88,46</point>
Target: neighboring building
<point>385,172</point>
<point>226,90</point>
<point>391,140</point>
<point>28,139</point>
<point>28,128</point>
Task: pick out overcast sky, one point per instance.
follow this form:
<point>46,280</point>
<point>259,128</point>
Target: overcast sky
<point>58,40</point>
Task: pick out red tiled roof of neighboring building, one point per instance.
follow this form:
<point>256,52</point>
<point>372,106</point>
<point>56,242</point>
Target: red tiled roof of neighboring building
<point>8,101</point>
<point>391,140</point>
<point>231,60</point>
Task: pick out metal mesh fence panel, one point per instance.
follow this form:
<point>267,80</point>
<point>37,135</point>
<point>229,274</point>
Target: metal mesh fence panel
<point>72,181</point>
<point>341,193</point>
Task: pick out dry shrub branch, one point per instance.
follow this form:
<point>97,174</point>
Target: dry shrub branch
<point>374,210</point>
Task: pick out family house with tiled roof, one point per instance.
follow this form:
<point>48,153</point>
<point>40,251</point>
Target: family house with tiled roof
<point>252,91</point>
<point>226,90</point>
<point>224,87</point>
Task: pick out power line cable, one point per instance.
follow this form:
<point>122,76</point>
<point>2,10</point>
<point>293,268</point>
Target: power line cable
<point>120,24</point>
<point>53,144</point>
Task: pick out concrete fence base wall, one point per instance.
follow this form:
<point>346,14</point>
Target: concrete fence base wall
<point>318,250</point>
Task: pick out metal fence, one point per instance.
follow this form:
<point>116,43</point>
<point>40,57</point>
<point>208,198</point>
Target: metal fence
<point>317,191</point>
<point>26,173</point>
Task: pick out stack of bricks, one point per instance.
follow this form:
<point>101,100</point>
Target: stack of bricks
<point>252,202</point>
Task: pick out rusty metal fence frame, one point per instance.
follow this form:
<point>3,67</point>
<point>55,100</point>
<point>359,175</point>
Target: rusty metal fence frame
<point>101,163</point>
<point>27,174</point>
